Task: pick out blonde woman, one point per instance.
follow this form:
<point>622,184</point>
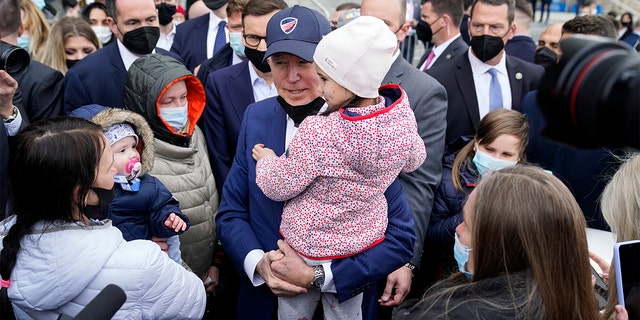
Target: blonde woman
<point>70,41</point>
<point>620,203</point>
<point>35,29</point>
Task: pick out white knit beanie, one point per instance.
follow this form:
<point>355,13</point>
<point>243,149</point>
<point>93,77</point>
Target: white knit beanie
<point>358,55</point>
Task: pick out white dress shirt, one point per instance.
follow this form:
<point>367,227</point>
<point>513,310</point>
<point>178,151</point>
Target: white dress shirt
<point>482,80</point>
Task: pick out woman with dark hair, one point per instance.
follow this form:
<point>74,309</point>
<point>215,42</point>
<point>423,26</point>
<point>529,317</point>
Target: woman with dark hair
<point>522,250</point>
<point>55,258</point>
<point>96,14</point>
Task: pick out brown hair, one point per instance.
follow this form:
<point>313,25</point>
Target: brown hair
<point>524,222</point>
<point>494,124</point>
<point>54,55</point>
<point>526,219</point>
<point>234,6</point>
<point>262,7</point>
<point>452,8</point>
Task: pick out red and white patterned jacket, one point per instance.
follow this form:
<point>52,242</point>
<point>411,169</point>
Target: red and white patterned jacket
<point>335,172</point>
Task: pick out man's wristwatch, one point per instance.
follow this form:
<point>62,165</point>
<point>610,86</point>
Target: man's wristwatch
<point>318,277</point>
<point>12,117</point>
<point>410,265</point>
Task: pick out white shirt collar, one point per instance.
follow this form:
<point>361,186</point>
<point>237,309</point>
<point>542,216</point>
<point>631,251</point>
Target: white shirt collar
<point>128,57</point>
<point>479,67</point>
<point>438,50</point>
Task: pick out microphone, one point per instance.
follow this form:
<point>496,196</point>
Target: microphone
<point>103,306</point>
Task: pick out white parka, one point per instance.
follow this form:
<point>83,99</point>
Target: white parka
<point>60,268</point>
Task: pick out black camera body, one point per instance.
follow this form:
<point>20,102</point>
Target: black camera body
<point>14,60</point>
<point>592,97</point>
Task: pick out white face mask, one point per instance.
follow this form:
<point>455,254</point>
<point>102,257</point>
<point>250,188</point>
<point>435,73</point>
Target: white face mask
<point>104,33</point>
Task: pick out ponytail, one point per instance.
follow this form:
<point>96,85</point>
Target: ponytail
<point>8,257</point>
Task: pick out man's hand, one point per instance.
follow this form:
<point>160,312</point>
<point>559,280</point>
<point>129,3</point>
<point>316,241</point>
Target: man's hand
<point>211,278</point>
<point>162,243</point>
<point>8,87</point>
<point>279,287</point>
<point>291,267</point>
<point>397,287</point>
<point>260,151</point>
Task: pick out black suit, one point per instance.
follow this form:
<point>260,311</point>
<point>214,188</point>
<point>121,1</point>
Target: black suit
<point>42,91</point>
<point>4,171</point>
<point>221,59</point>
<point>463,116</point>
<point>454,49</point>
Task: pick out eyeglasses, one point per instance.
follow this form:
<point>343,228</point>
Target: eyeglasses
<point>253,40</point>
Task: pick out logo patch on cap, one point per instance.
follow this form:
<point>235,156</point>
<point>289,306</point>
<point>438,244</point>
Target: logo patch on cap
<point>287,25</point>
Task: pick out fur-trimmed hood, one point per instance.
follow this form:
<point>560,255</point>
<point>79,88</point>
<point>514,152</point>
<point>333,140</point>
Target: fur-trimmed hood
<point>106,117</point>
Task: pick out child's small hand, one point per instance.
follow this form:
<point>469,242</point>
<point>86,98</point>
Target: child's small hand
<point>176,223</point>
<point>260,151</point>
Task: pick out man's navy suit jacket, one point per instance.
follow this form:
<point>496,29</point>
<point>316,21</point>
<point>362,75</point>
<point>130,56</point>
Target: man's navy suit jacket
<point>463,116</point>
<point>190,41</point>
<point>229,93</point>
<point>248,220</point>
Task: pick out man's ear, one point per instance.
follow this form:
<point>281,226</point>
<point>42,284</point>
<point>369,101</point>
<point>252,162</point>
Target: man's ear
<point>112,25</point>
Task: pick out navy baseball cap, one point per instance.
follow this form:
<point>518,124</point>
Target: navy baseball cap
<point>296,30</point>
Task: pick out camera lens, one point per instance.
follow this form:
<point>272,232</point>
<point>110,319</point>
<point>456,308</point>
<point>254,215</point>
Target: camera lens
<point>592,97</point>
<point>13,59</point>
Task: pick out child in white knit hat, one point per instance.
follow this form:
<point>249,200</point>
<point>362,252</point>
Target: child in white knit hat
<point>338,165</point>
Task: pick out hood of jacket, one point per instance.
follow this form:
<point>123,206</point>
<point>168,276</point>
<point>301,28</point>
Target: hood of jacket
<point>107,117</point>
<point>147,80</point>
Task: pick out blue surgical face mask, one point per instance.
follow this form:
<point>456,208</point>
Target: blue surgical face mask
<point>486,163</point>
<point>23,42</point>
<point>39,3</point>
<point>175,117</point>
<point>235,41</point>
<point>461,254</point>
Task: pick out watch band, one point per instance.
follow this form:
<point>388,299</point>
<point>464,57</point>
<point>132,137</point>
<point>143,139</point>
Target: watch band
<point>318,277</point>
<point>12,117</point>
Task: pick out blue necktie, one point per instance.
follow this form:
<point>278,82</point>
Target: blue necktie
<point>221,37</point>
<point>495,93</point>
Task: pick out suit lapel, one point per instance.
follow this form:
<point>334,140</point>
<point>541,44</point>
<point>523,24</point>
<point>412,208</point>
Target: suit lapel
<point>278,119</point>
<point>119,73</point>
<point>200,38</point>
<point>239,90</point>
<point>395,72</point>
<point>515,82</point>
<point>466,86</point>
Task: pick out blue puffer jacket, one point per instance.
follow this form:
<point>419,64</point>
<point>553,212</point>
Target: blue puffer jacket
<point>141,214</point>
<point>447,205</point>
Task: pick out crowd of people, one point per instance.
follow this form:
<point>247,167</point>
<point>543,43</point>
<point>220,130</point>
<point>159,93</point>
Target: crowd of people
<point>248,159</point>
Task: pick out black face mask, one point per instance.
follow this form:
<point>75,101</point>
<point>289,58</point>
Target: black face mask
<point>299,113</point>
<point>142,40</point>
<point>165,13</point>
<point>214,4</point>
<point>545,57</point>
<point>256,57</point>
<point>423,31</point>
<point>99,211</point>
<point>486,47</point>
<point>626,24</point>
<point>71,63</point>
